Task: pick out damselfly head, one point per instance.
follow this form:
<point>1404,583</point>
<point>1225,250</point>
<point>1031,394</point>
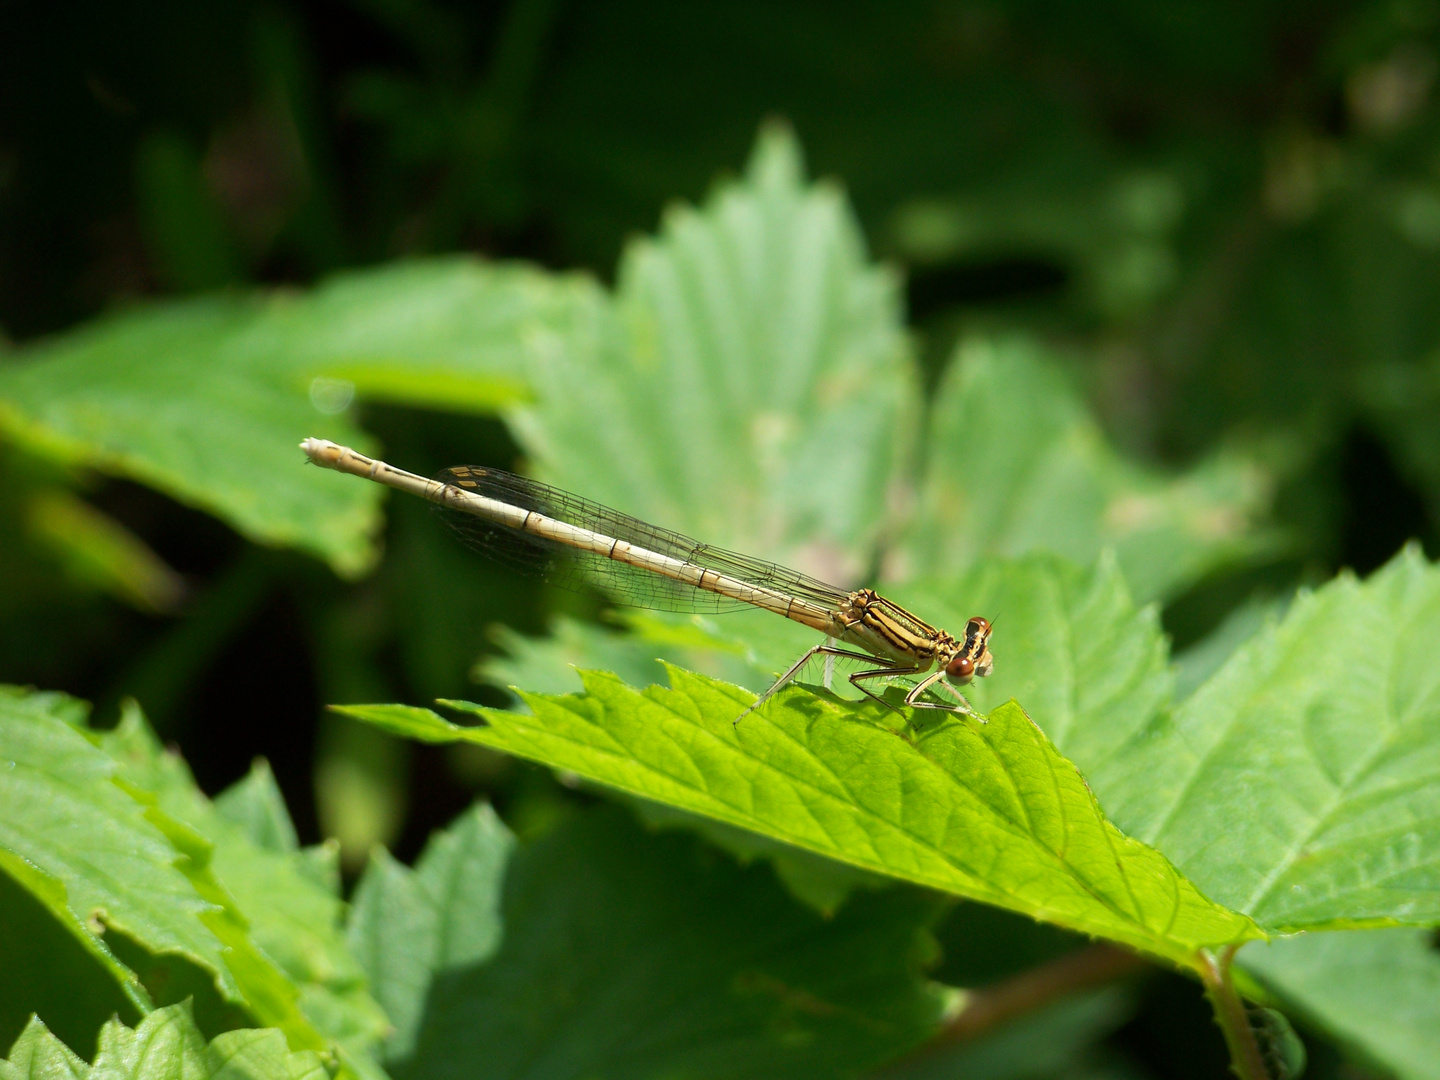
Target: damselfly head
<point>973,657</point>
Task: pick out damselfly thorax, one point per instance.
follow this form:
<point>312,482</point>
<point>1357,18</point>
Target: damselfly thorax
<point>575,542</point>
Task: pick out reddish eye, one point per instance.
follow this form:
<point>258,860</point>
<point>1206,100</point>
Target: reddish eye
<point>976,626</point>
<point>961,669</point>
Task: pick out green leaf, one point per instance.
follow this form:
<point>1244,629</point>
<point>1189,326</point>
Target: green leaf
<point>753,385</point>
<point>255,805</point>
<point>744,647</point>
<point>1016,464</point>
<point>91,852</point>
<point>260,1054</point>
<point>1299,783</point>
<point>292,918</point>
<point>102,835</point>
<point>633,955</point>
<point>1068,642</point>
<point>409,926</point>
<point>991,812</point>
<point>1376,990</point>
<point>38,1055</point>
<point>166,1045</point>
<point>54,968</point>
<point>205,400</point>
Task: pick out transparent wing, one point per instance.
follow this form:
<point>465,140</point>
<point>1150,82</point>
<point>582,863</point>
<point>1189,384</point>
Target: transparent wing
<point>577,570</point>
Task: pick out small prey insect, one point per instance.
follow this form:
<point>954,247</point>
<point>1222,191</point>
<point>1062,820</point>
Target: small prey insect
<point>575,542</point>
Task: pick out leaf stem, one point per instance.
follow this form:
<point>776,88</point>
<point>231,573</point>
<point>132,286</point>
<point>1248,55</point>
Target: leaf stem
<point>991,1007</point>
<point>1246,1060</point>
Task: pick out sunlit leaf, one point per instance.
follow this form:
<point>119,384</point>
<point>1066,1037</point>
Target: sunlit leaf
<point>408,927</point>
<point>294,919</point>
<point>753,385</point>
<point>990,812</point>
<point>1016,464</point>
<point>101,852</point>
<point>166,1045</point>
<point>1301,783</point>
<point>206,400</point>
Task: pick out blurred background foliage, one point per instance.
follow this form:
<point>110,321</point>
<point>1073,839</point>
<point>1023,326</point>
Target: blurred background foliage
<point>1157,278</point>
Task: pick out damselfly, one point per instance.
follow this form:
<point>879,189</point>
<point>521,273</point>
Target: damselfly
<point>574,541</point>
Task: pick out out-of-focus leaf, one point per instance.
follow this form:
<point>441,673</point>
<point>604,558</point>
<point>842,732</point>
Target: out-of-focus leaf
<point>1068,642</point>
<point>1377,990</point>
<point>99,553</point>
<point>99,851</point>
<point>53,968</point>
<point>1015,464</point>
<point>753,387</point>
<point>1195,665</point>
<point>1111,228</point>
<point>409,927</point>
<point>255,805</point>
<point>165,1045</point>
<point>634,955</point>
<point>1301,783</point>
<point>990,811</point>
<point>293,918</point>
<point>206,400</point>
<point>38,1055</point>
<point>743,647</point>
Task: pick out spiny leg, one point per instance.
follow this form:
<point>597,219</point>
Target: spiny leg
<point>828,651</point>
<point>880,673</point>
<point>913,698</point>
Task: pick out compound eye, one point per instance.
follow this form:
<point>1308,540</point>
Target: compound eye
<point>976,627</point>
<point>961,669</point>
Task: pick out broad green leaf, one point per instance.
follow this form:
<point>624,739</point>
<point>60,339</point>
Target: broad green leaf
<point>38,1055</point>
<point>822,883</point>
<point>99,849</point>
<point>1376,990</point>
<point>744,647</point>
<point>753,385</point>
<point>1301,783</point>
<point>55,968</point>
<point>1015,464</point>
<point>295,920</point>
<point>254,803</point>
<point>166,1045</point>
<point>626,954</point>
<point>407,927</point>
<point>261,1054</point>
<point>991,811</point>
<point>90,850</point>
<point>205,400</point>
<point>1068,641</point>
